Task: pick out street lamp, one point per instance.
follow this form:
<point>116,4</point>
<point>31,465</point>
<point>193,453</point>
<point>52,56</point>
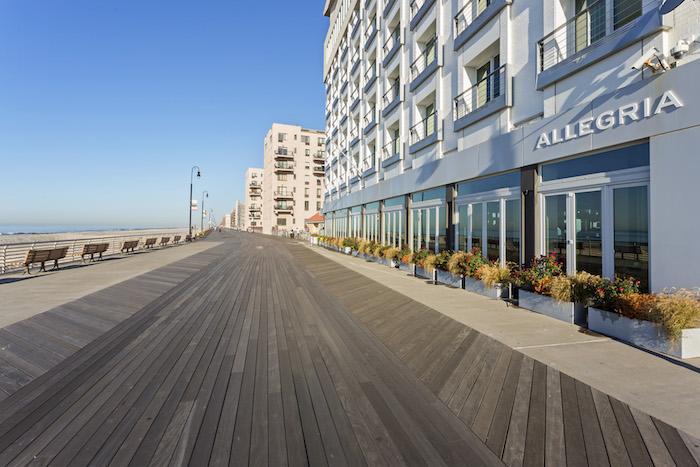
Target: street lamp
<point>205,193</point>
<point>199,174</point>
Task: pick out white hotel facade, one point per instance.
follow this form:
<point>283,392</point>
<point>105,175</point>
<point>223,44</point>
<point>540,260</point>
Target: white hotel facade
<point>521,127</point>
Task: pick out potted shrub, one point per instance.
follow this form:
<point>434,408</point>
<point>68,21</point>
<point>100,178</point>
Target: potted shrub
<point>349,245</point>
<point>668,322</point>
<point>429,267</point>
<point>496,280</point>
<point>545,289</point>
<point>391,255</point>
<point>406,256</point>
<point>417,259</point>
<point>378,253</point>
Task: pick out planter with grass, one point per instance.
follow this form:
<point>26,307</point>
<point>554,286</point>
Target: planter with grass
<point>447,278</point>
<point>569,312</point>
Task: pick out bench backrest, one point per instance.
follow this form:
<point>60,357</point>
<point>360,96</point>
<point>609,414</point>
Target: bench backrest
<point>37,256</point>
<point>102,247</point>
<point>164,240</point>
<point>177,238</point>
<point>151,241</point>
<point>58,253</point>
<point>130,244</point>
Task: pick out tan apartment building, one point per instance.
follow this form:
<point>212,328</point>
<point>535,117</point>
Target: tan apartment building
<point>253,220</point>
<point>293,177</point>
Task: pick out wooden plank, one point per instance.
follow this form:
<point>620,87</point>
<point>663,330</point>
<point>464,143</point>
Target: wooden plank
<point>514,451</point>
<point>536,430</point>
<point>592,435</point>
<point>573,430</point>
<point>555,452</point>
<point>496,438</point>
<point>676,446</point>
<point>630,434</point>
<point>483,417</point>
<point>610,430</point>
<point>652,439</point>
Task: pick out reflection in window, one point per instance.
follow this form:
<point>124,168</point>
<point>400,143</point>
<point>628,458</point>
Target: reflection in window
<point>493,230</point>
<point>589,246</point>
<point>632,234</point>
<point>555,226</point>
<point>442,228</point>
<point>513,231</point>
<point>477,225</point>
<point>462,228</point>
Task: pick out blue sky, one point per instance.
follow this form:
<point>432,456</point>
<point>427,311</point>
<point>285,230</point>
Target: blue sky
<point>105,105</point>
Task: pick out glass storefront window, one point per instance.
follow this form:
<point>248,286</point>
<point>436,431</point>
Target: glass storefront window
<point>589,239</point>
<point>493,230</point>
<point>608,161</point>
<point>555,226</point>
<point>631,233</point>
<point>463,227</point>
<point>477,223</point>
<point>513,231</point>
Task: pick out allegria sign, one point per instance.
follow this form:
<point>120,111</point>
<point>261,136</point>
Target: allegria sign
<point>605,120</point>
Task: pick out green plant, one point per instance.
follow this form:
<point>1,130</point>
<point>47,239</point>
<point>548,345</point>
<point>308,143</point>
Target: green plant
<point>474,262</point>
<point>493,273</point>
<point>584,287</point>
<point>457,264</point>
<point>538,277</point>
<point>391,253</point>
<point>405,255</point>
<point>609,293</point>
<point>561,288</point>
<point>379,250</point>
<point>442,260</point>
<point>429,263</point>
<point>674,311</point>
<point>419,256</point>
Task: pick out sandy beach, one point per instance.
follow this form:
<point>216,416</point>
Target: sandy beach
<point>52,237</point>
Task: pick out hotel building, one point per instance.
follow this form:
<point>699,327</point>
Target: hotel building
<point>252,220</point>
<point>293,177</point>
<point>521,127</point>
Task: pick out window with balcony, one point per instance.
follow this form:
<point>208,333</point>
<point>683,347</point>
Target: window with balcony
<point>393,41</point>
<point>468,13</point>
<point>426,126</point>
<point>486,82</point>
<point>426,50</point>
<point>585,22</point>
<point>393,146</point>
<point>393,91</point>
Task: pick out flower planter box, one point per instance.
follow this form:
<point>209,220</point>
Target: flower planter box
<point>569,312</point>
<point>447,278</point>
<point>478,287</point>
<point>347,250</point>
<point>645,334</point>
<point>423,273</point>
<point>405,267</point>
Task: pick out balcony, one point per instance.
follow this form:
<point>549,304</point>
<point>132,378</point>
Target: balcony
<point>369,120</point>
<point>254,208</point>
<point>392,45</point>
<point>473,16</point>
<point>319,170</point>
<point>319,157</point>
<point>368,166</point>
<point>281,168</point>
<point>424,133</point>
<point>568,48</point>
<point>277,195</point>
<point>283,154</point>
<point>419,9</point>
<point>391,98</point>
<point>283,208</point>
<point>370,76</point>
<point>486,97</point>
<point>391,152</point>
<point>354,98</point>
<point>425,65</point>
<point>370,33</point>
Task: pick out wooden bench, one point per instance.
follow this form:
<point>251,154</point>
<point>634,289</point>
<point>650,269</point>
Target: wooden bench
<point>164,241</point>
<point>42,256</point>
<point>93,249</point>
<point>188,238</point>
<point>150,242</point>
<point>130,246</point>
<point>177,239</point>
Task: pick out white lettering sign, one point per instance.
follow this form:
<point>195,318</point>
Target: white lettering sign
<point>610,118</point>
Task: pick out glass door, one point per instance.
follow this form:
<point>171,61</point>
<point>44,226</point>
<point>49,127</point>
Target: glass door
<point>492,227</point>
<point>555,226</point>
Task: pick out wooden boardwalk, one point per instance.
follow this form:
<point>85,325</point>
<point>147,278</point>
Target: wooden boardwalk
<point>262,352</point>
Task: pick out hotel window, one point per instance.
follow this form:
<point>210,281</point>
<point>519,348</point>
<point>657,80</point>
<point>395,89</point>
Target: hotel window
<point>281,137</point>
<point>393,227</point>
<point>488,217</point>
<point>371,222</point>
<point>281,177</point>
<point>596,212</point>
<point>320,141</point>
<point>356,222</point>
<point>429,220</point>
<point>306,140</point>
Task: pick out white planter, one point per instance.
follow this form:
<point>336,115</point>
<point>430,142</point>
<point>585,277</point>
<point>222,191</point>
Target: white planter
<point>569,312</point>
<point>347,250</point>
<point>644,334</point>
<point>394,263</point>
<point>501,291</point>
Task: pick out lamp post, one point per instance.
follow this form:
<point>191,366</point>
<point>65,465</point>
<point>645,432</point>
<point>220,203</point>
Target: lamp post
<point>205,193</point>
<point>199,174</point>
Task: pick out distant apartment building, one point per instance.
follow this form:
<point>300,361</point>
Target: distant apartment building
<point>227,221</point>
<point>293,177</point>
<point>520,128</point>
<point>241,212</point>
<point>253,220</point>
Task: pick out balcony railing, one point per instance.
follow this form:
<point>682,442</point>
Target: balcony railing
<point>282,167</point>
<point>355,58</point>
<point>319,169</point>
<point>391,149</point>
<point>371,28</point>
<point>370,117</point>
<point>391,94</point>
<point>283,195</point>
<point>481,93</point>
<point>354,94</point>
<point>424,128</point>
<point>469,12</point>
<point>367,163</point>
<point>415,6</point>
<point>392,40</point>
<point>426,58</point>
<point>371,72</point>
<point>319,156</point>
<point>586,28</point>
<point>283,207</point>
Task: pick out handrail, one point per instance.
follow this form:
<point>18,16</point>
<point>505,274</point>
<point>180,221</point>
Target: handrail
<point>483,91</point>
<point>415,6</point>
<point>391,93</point>
<point>421,130</point>
<point>391,149</point>
<point>394,38</point>
<point>371,72</point>
<point>467,14</point>
<point>12,255</point>
<point>423,60</point>
<point>371,28</point>
<point>370,117</point>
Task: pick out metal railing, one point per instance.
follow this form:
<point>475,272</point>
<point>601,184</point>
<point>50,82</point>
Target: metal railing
<point>284,166</point>
<point>391,149</point>
<point>355,93</point>
<point>12,255</point>
<point>588,27</point>
<point>424,128</point>
<point>481,93</point>
<point>391,94</point>
<point>370,117</point>
<point>355,58</point>
<point>393,39</point>
<point>368,162</point>
<point>426,58</point>
<point>371,72</point>
<point>283,194</point>
<point>415,6</point>
<point>371,28</point>
<point>468,13</point>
